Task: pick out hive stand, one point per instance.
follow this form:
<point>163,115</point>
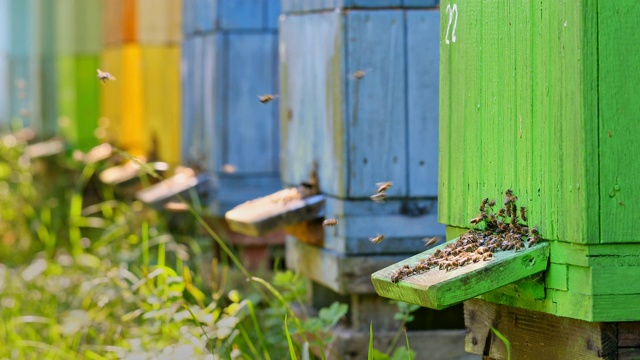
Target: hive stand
<point>549,113</point>
<point>229,58</point>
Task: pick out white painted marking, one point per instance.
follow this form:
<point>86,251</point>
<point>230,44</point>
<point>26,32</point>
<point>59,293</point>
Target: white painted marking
<point>450,10</point>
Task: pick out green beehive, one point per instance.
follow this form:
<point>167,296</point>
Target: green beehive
<point>539,97</point>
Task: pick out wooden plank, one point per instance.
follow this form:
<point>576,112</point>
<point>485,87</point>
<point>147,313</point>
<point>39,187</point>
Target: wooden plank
<point>629,334</point>
<point>340,273</point>
<point>557,277</point>
<point>251,142</point>
<point>535,335</point>
<point>309,232</point>
<point>295,6</point>
<point>88,32</point>
<point>129,21</point>
<point>613,308</point>
<point>242,14</point>
<point>423,39</point>
<point>133,129</point>
<point>184,184</point>
<point>610,280</point>
<point>161,102</point>
<point>231,190</point>
<point>376,104</point>
<point>206,15</point>
<point>568,253</point>
<point>272,14</point>
<point>275,211</point>
<point>112,22</point>
<point>311,100</point>
<point>628,353</point>
<point>209,142</point>
<point>159,22</point>
<point>438,289</point>
<point>110,94</point>
<point>619,193</point>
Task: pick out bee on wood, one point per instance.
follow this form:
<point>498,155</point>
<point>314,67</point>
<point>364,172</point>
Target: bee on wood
<point>518,245</point>
<point>379,197</point>
<point>428,242</point>
<point>483,204</point>
<point>383,186</point>
<point>523,213</point>
<point>266,98</point>
<point>437,253</point>
<point>377,239</point>
<point>359,74</point>
<point>491,203</point>
<point>534,231</point>
<point>463,261</point>
<point>533,240</point>
<point>487,256</point>
<point>104,76</point>
<point>330,222</point>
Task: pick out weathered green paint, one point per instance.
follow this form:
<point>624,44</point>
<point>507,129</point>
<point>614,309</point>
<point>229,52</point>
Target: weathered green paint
<point>536,96</point>
<point>610,280</point>
<point>452,232</point>
<point>619,110</point>
<point>556,276</point>
<point>439,289</point>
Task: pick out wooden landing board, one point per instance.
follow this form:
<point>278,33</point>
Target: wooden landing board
<point>338,272</point>
<point>260,216</point>
<point>172,188</point>
<point>438,289</point>
<point>129,171</point>
<point>45,148</point>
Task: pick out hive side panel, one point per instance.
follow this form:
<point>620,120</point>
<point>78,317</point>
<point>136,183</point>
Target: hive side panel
<point>133,124</point>
<point>376,104</point>
<point>110,94</point>
<point>618,113</point>
<point>210,129</point>
<point>250,123</point>
<point>242,14</point>
<point>112,22</point>
<point>518,118</point>
<point>191,77</point>
<point>312,79</point>
<point>88,27</point>
<point>87,102</point>
<point>423,39</point>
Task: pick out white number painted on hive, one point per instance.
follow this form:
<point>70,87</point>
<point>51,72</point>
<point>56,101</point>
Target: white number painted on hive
<point>450,10</point>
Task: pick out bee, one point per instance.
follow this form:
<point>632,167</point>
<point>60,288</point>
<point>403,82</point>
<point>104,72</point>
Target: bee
<point>479,218</point>
<point>481,250</point>
<point>483,204</point>
<point>463,261</point>
<point>523,213</point>
<point>383,186</point>
<point>437,253</point>
<point>501,212</point>
<point>359,74</point>
<point>533,239</point>
<point>104,76</point>
<point>429,242</point>
<point>534,231</point>
<point>377,239</point>
<point>487,256</point>
<point>379,197</point>
<point>266,98</point>
<point>518,245</point>
<point>330,222</point>
<point>491,203</point>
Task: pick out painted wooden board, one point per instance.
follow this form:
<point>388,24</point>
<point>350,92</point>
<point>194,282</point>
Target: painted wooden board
<point>535,335</point>
<point>78,29</point>
<point>618,111</point>
<point>112,22</point>
<point>403,223</point>
<point>340,273</point>
<point>132,134</point>
<point>47,64</point>
<point>610,280</point>
<point>231,190</point>
<point>273,212</point>
<point>289,6</point>
<point>130,10</point>
<point>422,101</point>
<point>507,111</point>
<point>161,102</point>
<point>206,15</point>
<point>5,117</point>
<point>242,14</point>
<point>250,141</point>
<point>159,22</point>
<point>78,101</point>
<point>23,88</point>
<point>438,289</point>
<point>356,130</point>
<point>111,99</point>
<point>125,174</point>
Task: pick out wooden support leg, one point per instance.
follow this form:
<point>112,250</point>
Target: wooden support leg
<point>535,335</point>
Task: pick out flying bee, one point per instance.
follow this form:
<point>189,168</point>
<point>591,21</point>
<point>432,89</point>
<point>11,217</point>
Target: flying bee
<point>428,242</point>
<point>383,186</point>
<point>478,219</point>
<point>483,204</point>
<point>523,213</point>
<point>487,256</point>
<point>266,98</point>
<point>379,197</point>
<point>377,239</point>
<point>104,76</point>
<point>330,222</point>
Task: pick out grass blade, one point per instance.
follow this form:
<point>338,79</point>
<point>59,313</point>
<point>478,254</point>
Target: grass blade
<point>292,350</point>
<point>370,353</point>
<point>504,340</point>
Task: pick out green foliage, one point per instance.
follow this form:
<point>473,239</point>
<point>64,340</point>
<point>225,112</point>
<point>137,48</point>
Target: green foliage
<point>91,276</point>
<point>504,340</point>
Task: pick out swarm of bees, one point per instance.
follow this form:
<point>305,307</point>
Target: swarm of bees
<point>380,194</point>
<point>104,76</point>
<point>505,230</point>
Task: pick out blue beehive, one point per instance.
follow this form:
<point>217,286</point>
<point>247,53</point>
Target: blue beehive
<point>229,58</point>
<point>359,99</point>
<point>4,65</point>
